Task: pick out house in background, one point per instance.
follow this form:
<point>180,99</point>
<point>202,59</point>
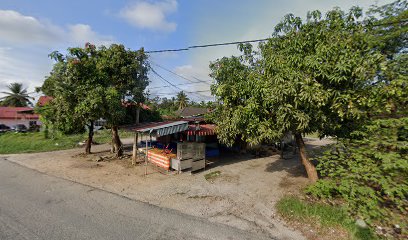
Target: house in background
<point>12,116</point>
<point>192,112</point>
<point>43,100</point>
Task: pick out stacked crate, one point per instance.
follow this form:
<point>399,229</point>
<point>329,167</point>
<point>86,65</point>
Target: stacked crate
<point>198,156</point>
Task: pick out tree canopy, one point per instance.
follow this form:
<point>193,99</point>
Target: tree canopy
<point>92,83</point>
<point>315,75</point>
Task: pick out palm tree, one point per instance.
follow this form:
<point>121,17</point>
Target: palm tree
<point>182,100</point>
<point>16,97</point>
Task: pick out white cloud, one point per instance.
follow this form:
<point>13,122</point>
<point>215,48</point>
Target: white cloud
<point>151,15</point>
<point>26,41</point>
<point>191,72</point>
<point>196,74</point>
<point>23,66</point>
<point>17,28</point>
<point>82,33</point>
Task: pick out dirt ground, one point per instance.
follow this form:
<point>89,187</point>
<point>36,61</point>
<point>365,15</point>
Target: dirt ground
<point>243,195</point>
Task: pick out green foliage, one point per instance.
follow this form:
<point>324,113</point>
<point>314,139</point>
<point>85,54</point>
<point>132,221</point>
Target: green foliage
<point>310,76</point>
<point>76,88</point>
<point>327,216</point>
<point>125,78</point>
<point>181,100</point>
<point>169,106</point>
<point>150,116</point>
<point>370,172</point>
<point>16,97</point>
<point>89,83</point>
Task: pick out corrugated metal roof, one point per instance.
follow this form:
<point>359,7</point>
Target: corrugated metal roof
<point>162,128</point>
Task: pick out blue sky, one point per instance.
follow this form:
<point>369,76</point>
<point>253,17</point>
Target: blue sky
<point>30,30</point>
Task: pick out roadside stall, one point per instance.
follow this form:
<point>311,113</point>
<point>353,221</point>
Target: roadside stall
<point>177,145</point>
<point>160,157</point>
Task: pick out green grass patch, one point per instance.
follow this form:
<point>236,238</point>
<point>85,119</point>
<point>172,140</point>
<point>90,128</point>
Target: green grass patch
<point>31,142</point>
<point>212,176</point>
<point>294,209</point>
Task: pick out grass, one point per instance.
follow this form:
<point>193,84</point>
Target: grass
<point>325,217</point>
<point>31,142</point>
<point>212,176</point>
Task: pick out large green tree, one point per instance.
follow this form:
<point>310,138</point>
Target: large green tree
<point>310,76</point>
<point>77,89</point>
<point>16,96</point>
<point>368,170</point>
<point>92,83</point>
<point>125,73</point>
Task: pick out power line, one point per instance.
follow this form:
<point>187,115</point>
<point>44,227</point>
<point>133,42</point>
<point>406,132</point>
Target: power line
<point>199,91</point>
<point>248,41</point>
<point>207,45</point>
<point>168,70</point>
<point>228,43</point>
<point>181,84</point>
<point>173,85</point>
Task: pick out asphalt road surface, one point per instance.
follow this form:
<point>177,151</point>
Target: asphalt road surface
<point>37,206</point>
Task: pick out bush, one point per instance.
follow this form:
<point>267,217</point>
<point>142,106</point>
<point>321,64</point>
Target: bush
<point>369,172</point>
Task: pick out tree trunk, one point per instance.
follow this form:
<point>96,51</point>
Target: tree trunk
<point>310,168</point>
<point>116,142</point>
<point>137,115</point>
<point>90,138</point>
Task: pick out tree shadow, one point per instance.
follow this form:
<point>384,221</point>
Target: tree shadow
<point>290,163</point>
<point>227,158</point>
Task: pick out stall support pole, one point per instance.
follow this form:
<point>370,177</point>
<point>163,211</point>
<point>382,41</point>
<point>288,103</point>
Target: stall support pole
<point>146,158</point>
<point>134,157</point>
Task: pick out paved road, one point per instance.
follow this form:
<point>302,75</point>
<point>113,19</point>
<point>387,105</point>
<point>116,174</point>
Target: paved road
<point>37,206</point>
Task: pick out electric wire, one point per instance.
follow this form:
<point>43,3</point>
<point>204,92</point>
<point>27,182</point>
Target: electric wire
<point>181,76</point>
<point>251,41</point>
<point>173,85</point>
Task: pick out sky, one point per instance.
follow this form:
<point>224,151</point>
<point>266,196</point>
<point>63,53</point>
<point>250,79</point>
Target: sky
<point>31,29</point>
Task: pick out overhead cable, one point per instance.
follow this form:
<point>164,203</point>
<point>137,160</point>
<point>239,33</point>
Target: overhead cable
<point>248,41</point>
<point>173,85</point>
<point>181,76</point>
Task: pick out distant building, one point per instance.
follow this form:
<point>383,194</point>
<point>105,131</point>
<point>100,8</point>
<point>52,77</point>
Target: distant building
<point>191,112</point>
<point>11,116</point>
<point>44,100</point>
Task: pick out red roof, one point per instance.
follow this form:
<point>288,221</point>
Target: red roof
<point>15,113</point>
<point>44,100</point>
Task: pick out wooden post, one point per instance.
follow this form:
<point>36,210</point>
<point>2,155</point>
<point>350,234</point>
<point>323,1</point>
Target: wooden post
<point>134,157</point>
<point>146,159</point>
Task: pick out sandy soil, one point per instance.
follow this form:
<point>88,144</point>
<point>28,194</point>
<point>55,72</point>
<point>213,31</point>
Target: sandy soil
<point>242,196</point>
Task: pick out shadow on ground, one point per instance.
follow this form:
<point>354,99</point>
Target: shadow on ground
<point>290,164</point>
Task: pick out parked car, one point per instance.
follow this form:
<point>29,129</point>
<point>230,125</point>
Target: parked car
<point>20,128</point>
<point>4,128</point>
